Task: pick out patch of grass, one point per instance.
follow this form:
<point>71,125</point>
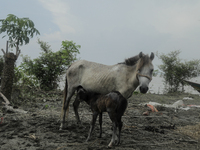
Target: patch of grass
<point>191,130</point>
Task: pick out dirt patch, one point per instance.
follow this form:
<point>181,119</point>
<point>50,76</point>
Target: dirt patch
<point>166,129</point>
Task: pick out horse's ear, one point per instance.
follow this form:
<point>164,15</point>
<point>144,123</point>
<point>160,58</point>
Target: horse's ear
<point>152,56</point>
<point>140,54</point>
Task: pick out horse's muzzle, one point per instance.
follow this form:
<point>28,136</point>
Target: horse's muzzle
<point>144,89</point>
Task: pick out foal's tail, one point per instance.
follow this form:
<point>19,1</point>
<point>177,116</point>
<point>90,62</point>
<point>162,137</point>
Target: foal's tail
<point>64,101</point>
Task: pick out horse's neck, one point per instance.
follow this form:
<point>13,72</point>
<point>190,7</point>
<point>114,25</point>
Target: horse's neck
<point>132,74</point>
<point>131,83</point>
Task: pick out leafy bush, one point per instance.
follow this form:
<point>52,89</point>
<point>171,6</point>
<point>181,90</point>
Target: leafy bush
<point>50,65</point>
<point>176,71</point>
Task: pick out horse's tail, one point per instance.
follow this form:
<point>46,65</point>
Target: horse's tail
<point>65,96</point>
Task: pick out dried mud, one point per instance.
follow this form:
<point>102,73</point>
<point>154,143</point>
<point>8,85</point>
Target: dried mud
<point>166,129</point>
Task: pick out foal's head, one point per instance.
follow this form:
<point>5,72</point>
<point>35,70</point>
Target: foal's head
<point>86,96</point>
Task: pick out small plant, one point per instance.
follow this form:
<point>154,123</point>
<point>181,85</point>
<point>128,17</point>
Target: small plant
<point>136,92</point>
<point>46,106</point>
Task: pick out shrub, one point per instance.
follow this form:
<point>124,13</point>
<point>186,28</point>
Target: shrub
<point>50,65</point>
<point>175,71</point>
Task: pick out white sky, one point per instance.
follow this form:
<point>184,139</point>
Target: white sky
<point>111,30</point>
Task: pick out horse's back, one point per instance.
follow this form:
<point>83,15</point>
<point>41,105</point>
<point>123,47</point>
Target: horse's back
<point>92,76</point>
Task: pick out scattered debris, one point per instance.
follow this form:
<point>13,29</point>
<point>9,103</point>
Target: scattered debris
<point>187,98</point>
<point>146,113</point>
<point>1,120</point>
<point>154,129</point>
<point>198,106</point>
<point>153,109</point>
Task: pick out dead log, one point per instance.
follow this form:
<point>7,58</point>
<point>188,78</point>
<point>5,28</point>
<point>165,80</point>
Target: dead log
<point>5,99</point>
<point>9,108</point>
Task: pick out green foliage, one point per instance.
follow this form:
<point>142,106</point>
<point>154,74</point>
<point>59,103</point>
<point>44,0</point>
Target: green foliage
<point>19,30</point>
<point>176,71</point>
<point>50,65</point>
<point>23,79</point>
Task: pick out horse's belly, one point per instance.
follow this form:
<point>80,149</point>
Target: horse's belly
<point>99,84</point>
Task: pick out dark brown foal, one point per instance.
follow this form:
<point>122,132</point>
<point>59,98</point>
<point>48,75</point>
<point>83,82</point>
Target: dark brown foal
<point>113,103</point>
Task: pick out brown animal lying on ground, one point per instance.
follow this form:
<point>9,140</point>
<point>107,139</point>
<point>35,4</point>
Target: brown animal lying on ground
<point>113,103</point>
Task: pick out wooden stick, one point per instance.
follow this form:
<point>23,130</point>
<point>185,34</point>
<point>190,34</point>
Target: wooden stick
<point>17,53</point>
<point>10,108</point>
<point>3,52</point>
<point>7,47</point>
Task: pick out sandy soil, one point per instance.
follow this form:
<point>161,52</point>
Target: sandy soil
<point>168,128</point>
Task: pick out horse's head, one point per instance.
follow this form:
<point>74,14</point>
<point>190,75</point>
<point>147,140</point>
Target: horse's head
<point>145,71</point>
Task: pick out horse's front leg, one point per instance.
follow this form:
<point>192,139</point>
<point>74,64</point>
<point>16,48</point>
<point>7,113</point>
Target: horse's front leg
<point>76,105</point>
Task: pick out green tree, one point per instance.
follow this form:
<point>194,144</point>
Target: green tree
<point>50,65</point>
<point>176,71</point>
<point>19,32</point>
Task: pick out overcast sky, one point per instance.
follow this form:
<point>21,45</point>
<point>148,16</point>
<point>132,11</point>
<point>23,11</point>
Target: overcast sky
<point>111,30</point>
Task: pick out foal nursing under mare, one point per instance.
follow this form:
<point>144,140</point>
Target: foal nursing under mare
<point>124,77</point>
<point>113,103</point>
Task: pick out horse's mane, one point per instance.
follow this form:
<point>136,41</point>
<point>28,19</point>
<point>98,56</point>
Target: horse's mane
<point>133,60</point>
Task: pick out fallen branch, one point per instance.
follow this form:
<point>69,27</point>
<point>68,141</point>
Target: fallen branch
<point>5,99</point>
<point>10,108</point>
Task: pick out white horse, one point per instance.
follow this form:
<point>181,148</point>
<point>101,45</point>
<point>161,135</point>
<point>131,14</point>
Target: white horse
<point>124,77</point>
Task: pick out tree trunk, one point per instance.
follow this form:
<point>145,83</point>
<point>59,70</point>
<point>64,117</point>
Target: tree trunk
<point>8,75</point>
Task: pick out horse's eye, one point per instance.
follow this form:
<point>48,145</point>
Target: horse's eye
<point>151,70</point>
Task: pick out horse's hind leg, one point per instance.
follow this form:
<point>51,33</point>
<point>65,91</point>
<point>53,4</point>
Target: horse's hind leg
<point>66,107</point>
<point>76,105</point>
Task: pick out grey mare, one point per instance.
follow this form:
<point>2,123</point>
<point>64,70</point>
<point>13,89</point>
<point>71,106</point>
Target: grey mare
<point>124,77</point>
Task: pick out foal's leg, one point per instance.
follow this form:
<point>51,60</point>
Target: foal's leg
<point>66,107</point>
<point>113,116</point>
<point>94,118</point>
<point>113,135</point>
<point>100,124</point>
<point>76,105</point>
<point>119,125</point>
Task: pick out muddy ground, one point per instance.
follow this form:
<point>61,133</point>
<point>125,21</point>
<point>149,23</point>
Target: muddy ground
<point>166,129</point>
